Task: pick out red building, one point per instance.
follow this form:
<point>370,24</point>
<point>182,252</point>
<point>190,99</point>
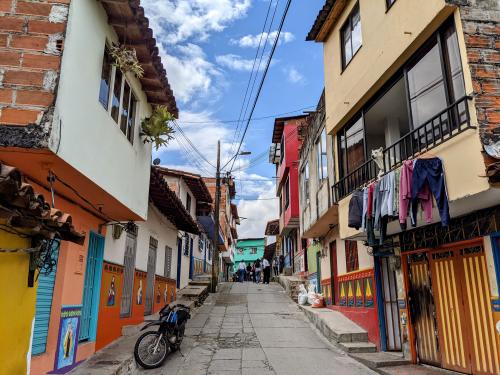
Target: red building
<point>284,153</point>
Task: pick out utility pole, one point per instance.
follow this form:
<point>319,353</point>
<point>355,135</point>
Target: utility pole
<point>215,259</point>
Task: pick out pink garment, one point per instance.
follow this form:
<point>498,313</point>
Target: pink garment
<point>424,196</point>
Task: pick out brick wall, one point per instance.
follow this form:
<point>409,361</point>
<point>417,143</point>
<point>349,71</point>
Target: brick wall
<point>480,20</point>
<point>31,43</point>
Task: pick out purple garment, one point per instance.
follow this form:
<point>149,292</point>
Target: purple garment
<point>405,196</point>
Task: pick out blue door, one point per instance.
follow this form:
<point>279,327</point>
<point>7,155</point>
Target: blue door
<point>179,257</point>
<point>92,288</point>
<point>191,259</point>
<point>43,307</point>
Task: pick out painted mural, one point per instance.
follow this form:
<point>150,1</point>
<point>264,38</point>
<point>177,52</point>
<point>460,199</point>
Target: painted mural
<point>356,289</point>
<point>164,292</point>
<point>67,343</point>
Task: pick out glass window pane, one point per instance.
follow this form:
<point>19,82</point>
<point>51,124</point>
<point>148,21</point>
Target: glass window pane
<point>125,107</point>
<point>115,101</point>
<point>342,155</point>
<point>426,85</point>
<point>318,159</point>
<point>356,32</point>
<point>347,49</point>
<point>355,145</point>
<point>131,118</point>
<point>323,141</point>
<point>105,80</point>
<point>457,77</point>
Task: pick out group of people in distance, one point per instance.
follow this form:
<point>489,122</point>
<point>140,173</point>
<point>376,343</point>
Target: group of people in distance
<point>253,271</point>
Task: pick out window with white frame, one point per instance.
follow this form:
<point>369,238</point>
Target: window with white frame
<point>117,98</point>
<point>351,36</point>
<point>322,159</point>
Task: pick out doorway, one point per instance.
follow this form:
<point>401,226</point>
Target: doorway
<point>390,301</point>
<point>333,272</point>
<point>91,288</point>
<point>128,275</point>
<point>150,283</point>
<point>318,272</point>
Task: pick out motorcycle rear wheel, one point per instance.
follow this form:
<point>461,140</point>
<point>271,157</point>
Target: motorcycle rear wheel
<point>144,350</point>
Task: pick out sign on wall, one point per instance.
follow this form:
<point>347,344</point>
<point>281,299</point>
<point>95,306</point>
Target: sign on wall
<point>67,342</point>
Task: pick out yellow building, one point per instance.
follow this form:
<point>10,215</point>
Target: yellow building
<point>27,228</point>
<point>414,84</point>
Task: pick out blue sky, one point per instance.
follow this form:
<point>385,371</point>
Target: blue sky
<point>207,48</point>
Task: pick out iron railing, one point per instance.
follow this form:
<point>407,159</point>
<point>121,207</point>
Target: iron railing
<point>451,121</point>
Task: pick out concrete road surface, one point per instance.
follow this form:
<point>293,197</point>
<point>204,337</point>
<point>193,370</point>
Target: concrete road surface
<point>254,329</point>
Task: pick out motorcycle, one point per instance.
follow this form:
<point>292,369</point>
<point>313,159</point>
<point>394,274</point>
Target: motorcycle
<point>153,347</point>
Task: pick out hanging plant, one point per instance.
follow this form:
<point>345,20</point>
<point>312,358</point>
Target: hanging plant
<point>126,60</point>
<point>156,129</point>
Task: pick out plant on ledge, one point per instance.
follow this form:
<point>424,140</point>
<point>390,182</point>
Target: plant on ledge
<point>126,60</point>
<point>156,129</point>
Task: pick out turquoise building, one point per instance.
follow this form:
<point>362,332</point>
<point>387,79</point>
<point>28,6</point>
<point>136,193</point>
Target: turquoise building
<point>248,250</point>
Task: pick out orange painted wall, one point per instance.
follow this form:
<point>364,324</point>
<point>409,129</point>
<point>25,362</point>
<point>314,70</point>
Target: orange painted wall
<point>109,326</point>
<point>68,288</point>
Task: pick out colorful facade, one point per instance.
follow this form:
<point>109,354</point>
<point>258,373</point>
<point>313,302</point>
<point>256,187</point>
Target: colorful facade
<point>248,250</point>
<point>57,125</point>
<point>430,290</point>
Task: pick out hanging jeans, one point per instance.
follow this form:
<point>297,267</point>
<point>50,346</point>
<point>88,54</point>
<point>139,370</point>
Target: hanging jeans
<point>430,171</point>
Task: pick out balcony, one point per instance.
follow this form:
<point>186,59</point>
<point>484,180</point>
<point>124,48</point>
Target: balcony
<point>445,125</point>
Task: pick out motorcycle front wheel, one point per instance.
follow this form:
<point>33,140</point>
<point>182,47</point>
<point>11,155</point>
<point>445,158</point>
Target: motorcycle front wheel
<point>151,350</point>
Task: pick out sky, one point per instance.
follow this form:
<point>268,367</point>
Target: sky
<point>208,49</point>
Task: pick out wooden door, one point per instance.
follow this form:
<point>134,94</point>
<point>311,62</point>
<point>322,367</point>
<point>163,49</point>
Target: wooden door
<point>150,283</point>
<point>128,275</point>
<point>422,309</point>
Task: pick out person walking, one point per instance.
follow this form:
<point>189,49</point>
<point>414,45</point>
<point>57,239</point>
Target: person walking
<point>276,265</point>
<point>258,271</point>
<point>249,272</point>
<point>267,270</point>
<point>241,271</point>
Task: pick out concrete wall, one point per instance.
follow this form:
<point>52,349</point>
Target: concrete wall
<point>84,134</point>
<point>388,39</point>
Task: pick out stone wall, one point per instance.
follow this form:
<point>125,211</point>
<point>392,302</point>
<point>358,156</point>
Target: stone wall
<point>480,20</point>
<point>31,44</point>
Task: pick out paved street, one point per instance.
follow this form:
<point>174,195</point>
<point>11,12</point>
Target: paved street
<point>255,330</point>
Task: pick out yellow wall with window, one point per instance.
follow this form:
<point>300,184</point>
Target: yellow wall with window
<point>18,306</point>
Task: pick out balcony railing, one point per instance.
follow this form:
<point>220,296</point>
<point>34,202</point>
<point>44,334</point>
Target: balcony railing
<point>451,121</point>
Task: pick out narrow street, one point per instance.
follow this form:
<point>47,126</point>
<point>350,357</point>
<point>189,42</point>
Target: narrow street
<point>254,329</point>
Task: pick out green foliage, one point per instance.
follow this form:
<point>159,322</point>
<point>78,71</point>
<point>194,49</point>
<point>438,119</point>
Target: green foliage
<point>156,129</point>
<point>126,60</point>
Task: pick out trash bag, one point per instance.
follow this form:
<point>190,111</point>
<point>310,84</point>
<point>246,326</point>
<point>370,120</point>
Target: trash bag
<point>319,301</point>
<point>302,296</point>
<point>311,294</point>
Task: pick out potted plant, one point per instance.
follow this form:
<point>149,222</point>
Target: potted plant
<point>126,60</point>
<point>156,128</point>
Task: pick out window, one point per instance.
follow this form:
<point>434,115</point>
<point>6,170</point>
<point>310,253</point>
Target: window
<point>287,192</point>
<point>253,250</point>
<point>351,36</point>
<point>107,69</point>
<point>282,149</point>
<point>321,156</point>
<point>187,241</point>
<point>305,182</point>
<point>240,251</point>
<point>168,261</point>
<point>351,147</point>
<point>281,203</point>
<point>188,202</point>
<point>115,89</point>
<point>351,256</point>
<point>201,244</point>
<point>388,3</point>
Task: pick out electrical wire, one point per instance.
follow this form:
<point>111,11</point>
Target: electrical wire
<point>233,142</point>
<point>193,147</point>
<point>262,80</point>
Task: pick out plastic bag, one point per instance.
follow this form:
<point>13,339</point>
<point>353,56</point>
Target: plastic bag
<point>311,294</point>
<point>319,301</point>
<point>302,296</point>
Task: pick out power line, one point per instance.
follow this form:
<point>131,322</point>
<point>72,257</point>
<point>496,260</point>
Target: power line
<point>191,144</point>
<point>253,119</point>
<point>251,74</point>
<point>262,80</point>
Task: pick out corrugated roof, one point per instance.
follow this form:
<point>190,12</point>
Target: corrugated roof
<point>23,208</point>
<point>132,27</point>
<point>169,204</point>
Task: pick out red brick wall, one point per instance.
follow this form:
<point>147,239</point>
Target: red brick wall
<point>31,41</point>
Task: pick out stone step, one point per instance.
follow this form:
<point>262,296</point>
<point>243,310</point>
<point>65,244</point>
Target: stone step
<point>201,282</point>
<point>358,347</point>
<point>380,359</point>
<point>335,326</point>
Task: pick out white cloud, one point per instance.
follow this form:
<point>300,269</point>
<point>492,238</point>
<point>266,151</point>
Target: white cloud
<point>293,75</point>
<point>252,41</point>
<point>176,21</point>
<point>236,62</point>
<point>190,73</point>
